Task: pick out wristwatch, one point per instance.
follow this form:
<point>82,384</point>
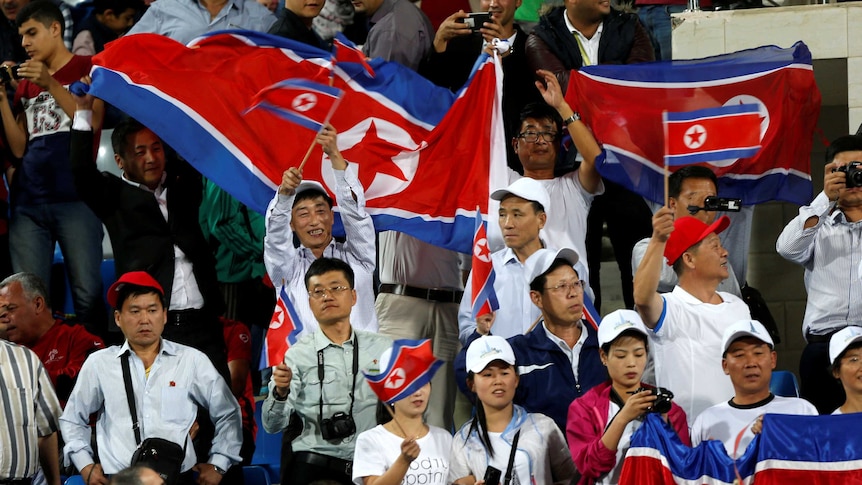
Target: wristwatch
<point>571,119</point>
<point>219,470</point>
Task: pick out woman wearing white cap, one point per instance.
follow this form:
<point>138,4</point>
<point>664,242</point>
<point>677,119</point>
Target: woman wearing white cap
<point>406,451</point>
<point>523,448</point>
<point>602,421</point>
<point>845,353</point>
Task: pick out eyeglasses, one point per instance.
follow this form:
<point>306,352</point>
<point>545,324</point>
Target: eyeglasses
<point>565,287</point>
<point>319,293</point>
<point>533,137</point>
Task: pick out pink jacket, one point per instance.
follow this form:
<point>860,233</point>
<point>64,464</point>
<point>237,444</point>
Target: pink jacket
<point>588,417</point>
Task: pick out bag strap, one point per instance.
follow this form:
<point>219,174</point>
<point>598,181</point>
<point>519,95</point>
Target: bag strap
<point>509,469</point>
<point>130,396</point>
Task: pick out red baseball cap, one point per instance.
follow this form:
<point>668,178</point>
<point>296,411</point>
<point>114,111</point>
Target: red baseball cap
<point>688,231</point>
<point>137,278</point>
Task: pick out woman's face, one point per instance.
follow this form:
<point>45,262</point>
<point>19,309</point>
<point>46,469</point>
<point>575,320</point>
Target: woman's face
<point>626,360</point>
<point>414,404</point>
<point>850,371</point>
<point>495,385</point>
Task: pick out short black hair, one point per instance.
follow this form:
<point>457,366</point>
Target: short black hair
<point>311,194</point>
<point>846,143</point>
<point>538,284</point>
<point>120,137</point>
<point>117,6</point>
<point>128,290</point>
<point>43,11</point>
<point>540,111</point>
<point>128,476</point>
<point>678,265</point>
<point>325,265</point>
<point>606,348</point>
<point>674,182</point>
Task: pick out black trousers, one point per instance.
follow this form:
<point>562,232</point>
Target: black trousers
<point>305,473</point>
<point>816,382</point>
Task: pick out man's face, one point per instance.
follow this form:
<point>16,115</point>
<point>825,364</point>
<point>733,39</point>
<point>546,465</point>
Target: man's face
<point>20,314</point>
<point>562,298</point>
<point>311,220</point>
<point>39,41</point>
<point>119,24</point>
<point>4,317</point>
<point>330,297</point>
<point>11,7</point>
<point>519,222</point>
<point>710,258</point>
<point>144,160</point>
<point>588,10</point>
<point>849,197</point>
<point>541,154</point>
<point>693,192</point>
<point>142,319</point>
<point>502,11</point>
<point>305,9</point>
<point>368,7</point>
<point>749,363</point>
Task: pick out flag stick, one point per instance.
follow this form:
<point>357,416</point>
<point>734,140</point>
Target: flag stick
<point>325,122</point>
<point>664,126</point>
<point>397,423</point>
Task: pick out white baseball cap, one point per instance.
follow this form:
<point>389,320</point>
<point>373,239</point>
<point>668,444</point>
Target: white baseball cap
<point>541,260</point>
<point>487,349</point>
<point>527,189</point>
<point>309,185</point>
<point>841,340</point>
<point>745,328</point>
<point>617,322</point>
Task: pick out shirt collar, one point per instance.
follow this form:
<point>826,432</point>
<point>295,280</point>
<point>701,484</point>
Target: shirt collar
<point>158,190</point>
<point>573,30</point>
<point>167,348</point>
<point>307,252</point>
<point>233,4</point>
<point>385,7</point>
<point>558,341</point>
<point>321,341</point>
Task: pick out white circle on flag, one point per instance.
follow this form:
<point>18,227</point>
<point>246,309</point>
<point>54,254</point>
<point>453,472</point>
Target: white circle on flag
<point>694,137</point>
<point>304,102</point>
<point>481,250</point>
<point>396,379</point>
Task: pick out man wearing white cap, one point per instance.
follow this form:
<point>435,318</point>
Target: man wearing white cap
<point>523,213</point>
<point>748,357</point>
<point>688,323</point>
<point>845,354</point>
<point>303,208</point>
<point>558,360</point>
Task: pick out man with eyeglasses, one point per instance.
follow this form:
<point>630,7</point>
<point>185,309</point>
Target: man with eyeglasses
<point>558,358</point>
<point>321,380</point>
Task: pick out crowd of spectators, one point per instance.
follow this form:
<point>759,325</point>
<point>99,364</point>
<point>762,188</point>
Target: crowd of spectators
<point>555,398</point>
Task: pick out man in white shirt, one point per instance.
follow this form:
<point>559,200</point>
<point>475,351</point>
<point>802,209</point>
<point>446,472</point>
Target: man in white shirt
<point>304,209</point>
<point>688,323</point>
<point>748,358</point>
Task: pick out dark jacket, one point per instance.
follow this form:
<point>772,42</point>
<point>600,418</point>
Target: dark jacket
<point>289,25</point>
<point>101,34</point>
<point>141,238</point>
<point>547,384</point>
<point>552,46</point>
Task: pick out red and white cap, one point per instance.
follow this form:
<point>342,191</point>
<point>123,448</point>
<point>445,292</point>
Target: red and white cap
<point>137,278</point>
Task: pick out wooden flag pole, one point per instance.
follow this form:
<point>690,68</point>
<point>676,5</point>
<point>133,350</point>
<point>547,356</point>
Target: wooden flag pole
<point>666,170</point>
<point>397,423</point>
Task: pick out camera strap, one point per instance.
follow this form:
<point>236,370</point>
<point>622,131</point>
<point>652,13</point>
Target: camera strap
<point>130,396</point>
<point>509,469</point>
<point>320,377</point>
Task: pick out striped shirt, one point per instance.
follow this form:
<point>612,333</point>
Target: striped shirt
<point>831,253</point>
<point>30,410</point>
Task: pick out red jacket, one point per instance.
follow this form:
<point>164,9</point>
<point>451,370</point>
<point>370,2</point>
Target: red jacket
<point>62,351</point>
<point>588,417</point>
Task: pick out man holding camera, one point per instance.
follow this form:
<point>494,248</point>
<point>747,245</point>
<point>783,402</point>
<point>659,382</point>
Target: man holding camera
<point>321,380</point>
<point>748,357</point>
<point>688,190</point>
<point>688,323</point>
<point>825,239</point>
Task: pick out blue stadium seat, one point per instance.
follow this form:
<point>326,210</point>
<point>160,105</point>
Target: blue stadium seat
<point>255,475</point>
<point>784,383</point>
<point>267,448</point>
<point>75,480</point>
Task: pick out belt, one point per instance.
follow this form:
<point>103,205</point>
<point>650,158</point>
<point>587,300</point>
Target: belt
<point>324,461</point>
<point>185,317</point>
<point>17,481</point>
<point>821,339</point>
<point>431,294</point>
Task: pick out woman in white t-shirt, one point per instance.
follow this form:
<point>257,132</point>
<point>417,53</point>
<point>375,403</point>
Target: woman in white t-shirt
<point>845,353</point>
<point>526,448</point>
<point>407,452</point>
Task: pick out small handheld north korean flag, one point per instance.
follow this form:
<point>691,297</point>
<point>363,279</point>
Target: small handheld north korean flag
<point>411,365</point>
<point>484,297</point>
<point>284,328</point>
<point>306,103</point>
<point>346,51</point>
<point>712,134</point>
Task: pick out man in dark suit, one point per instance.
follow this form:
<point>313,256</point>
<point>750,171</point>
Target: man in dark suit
<point>152,218</point>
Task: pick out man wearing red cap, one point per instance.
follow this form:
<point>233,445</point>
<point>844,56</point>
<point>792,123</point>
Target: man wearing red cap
<point>688,322</point>
<point>170,381</point>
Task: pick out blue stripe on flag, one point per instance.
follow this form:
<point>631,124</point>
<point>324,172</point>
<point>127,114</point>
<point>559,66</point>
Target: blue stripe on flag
<point>733,109</point>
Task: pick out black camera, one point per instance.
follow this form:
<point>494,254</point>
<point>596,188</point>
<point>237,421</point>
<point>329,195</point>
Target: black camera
<point>492,476</point>
<point>339,426</point>
<point>662,401</point>
<point>853,172</point>
<point>713,203</point>
<point>8,73</point>
<point>475,20</point>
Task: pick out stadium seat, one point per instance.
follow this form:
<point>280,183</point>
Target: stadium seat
<point>784,383</point>
<point>75,480</point>
<point>267,448</point>
<point>255,475</point>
